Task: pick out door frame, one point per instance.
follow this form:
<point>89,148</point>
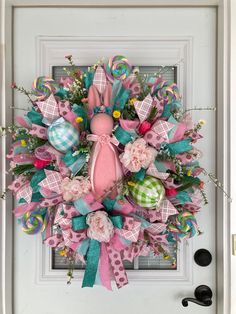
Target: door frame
<point>224,152</point>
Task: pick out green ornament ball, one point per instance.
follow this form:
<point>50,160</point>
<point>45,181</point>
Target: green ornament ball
<point>148,193</point>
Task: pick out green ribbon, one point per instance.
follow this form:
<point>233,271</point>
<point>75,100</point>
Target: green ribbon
<point>93,256</point>
<point>79,223</point>
<point>122,136</point>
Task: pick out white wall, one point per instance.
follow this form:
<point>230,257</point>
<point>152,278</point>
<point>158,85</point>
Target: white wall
<point>233,147</point>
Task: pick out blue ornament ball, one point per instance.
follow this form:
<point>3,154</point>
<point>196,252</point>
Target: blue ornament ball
<point>62,135</point>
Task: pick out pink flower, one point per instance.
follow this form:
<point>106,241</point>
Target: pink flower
<point>144,127</point>
<point>100,226</point>
<point>137,155</point>
<point>171,192</point>
<point>73,189</point>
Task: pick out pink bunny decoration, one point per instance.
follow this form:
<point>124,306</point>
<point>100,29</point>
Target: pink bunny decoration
<point>104,166</point>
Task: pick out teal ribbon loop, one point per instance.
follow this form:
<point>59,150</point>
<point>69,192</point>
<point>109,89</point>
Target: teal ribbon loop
<point>35,117</point>
<point>117,221</point>
<point>123,136</point>
<point>75,163</point>
<point>93,256</point>
<point>120,95</point>
<point>140,175</point>
<point>179,147</point>
<point>79,223</point>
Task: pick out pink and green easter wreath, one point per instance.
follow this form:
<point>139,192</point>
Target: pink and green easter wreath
<point>106,168</point>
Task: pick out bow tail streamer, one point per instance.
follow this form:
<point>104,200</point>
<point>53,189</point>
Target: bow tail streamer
<point>93,256</point>
<point>117,266</point>
<point>104,267</point>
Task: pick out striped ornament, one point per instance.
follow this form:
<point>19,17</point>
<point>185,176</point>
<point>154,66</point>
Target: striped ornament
<point>148,193</point>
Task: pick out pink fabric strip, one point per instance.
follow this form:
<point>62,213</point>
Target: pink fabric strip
<point>22,209</point>
<point>117,266</point>
<point>102,140</point>
<point>104,267</point>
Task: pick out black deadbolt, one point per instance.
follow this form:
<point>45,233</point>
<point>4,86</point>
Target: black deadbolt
<point>203,257</point>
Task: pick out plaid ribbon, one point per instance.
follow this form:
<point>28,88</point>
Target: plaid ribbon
<point>143,108</point>
<point>100,80</point>
<point>49,108</point>
<point>166,209</point>
<point>52,181</point>
<point>25,192</point>
<point>159,133</point>
<point>152,171</point>
<point>131,229</point>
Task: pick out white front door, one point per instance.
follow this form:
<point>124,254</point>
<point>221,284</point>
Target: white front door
<point>182,38</point>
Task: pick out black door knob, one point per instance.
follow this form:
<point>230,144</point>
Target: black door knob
<point>203,257</point>
<point>203,297</point>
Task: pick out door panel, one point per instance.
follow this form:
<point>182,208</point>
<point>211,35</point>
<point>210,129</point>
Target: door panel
<point>184,38</point>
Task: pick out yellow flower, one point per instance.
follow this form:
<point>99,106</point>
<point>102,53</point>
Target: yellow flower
<point>166,257</point>
<point>202,122</point>
<point>62,253</point>
<point>23,143</point>
<point>116,114</point>
<point>189,172</point>
<point>79,119</point>
<point>131,183</point>
<point>132,101</point>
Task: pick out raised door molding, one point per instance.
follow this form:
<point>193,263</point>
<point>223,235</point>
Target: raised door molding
<point>50,51</point>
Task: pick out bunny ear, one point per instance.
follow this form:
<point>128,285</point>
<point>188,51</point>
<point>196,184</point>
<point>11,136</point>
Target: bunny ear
<point>100,80</point>
<point>107,95</point>
<point>93,99</point>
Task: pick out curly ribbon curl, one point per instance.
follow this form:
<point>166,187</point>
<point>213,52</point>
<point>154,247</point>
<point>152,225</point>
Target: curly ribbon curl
<point>184,225</point>
<point>119,68</point>
<point>167,91</point>
<point>34,222</point>
<point>43,86</point>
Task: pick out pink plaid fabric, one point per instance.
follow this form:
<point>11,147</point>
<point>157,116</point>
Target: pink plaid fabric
<point>166,209</point>
<point>132,234</point>
<point>162,128</point>
<point>152,171</point>
<point>99,79</point>
<point>156,228</point>
<point>25,192</point>
<point>49,108</point>
<point>52,181</point>
<point>144,107</point>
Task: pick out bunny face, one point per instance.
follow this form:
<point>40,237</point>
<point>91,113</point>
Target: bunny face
<point>101,124</point>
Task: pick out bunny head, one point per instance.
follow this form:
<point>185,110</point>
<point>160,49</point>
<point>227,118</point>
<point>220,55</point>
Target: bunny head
<point>99,106</point>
